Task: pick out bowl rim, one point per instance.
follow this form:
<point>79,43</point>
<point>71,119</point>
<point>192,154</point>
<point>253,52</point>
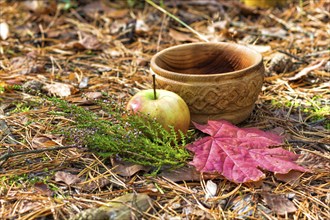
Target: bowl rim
<point>155,68</point>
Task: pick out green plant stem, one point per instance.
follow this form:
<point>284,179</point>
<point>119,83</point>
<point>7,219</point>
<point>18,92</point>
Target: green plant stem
<point>154,85</point>
<point>200,36</point>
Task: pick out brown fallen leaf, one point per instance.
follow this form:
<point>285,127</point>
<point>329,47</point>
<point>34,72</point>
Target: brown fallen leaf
<point>25,65</point>
<point>90,42</point>
<point>282,132</point>
<point>95,7</point>
<point>91,186</point>
<point>279,204</point>
<point>58,89</point>
<point>291,177</point>
<point>93,95</point>
<point>117,13</point>
<point>67,178</point>
<point>87,42</point>
<point>182,37</point>
<point>187,173</point>
<point>25,206</point>
<point>43,189</point>
<point>125,168</point>
<point>46,140</point>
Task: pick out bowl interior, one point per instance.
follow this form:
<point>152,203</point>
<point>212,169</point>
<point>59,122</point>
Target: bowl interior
<point>206,58</point>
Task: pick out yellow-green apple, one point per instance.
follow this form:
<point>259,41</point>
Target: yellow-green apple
<point>166,107</point>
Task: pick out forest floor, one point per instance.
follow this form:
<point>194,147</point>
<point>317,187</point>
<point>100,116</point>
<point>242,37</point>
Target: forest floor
<point>81,51</point>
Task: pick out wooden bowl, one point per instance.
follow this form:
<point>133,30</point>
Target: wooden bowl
<point>216,80</point>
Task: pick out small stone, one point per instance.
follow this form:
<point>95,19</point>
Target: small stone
<point>83,83</point>
<point>211,189</point>
<point>291,196</point>
<point>327,67</point>
<point>175,205</point>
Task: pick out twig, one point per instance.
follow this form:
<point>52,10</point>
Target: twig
<point>177,19</point>
<point>9,155</point>
<point>293,56</point>
<point>160,32</point>
<point>306,70</point>
<point>318,53</point>
<point>312,143</point>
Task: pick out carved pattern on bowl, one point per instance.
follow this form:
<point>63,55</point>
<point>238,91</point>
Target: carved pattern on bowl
<point>225,97</point>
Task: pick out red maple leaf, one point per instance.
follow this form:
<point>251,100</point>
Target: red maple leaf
<point>239,153</point>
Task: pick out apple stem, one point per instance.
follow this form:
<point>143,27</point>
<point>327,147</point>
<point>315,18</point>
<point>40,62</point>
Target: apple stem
<point>154,85</point>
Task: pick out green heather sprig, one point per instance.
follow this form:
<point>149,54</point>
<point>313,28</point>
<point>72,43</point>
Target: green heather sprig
<point>134,138</point>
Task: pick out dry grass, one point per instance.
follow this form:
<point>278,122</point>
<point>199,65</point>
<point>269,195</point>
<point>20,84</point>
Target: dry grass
<point>101,44</point>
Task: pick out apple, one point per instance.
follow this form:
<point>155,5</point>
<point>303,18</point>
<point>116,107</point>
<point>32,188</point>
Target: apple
<point>166,107</point>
